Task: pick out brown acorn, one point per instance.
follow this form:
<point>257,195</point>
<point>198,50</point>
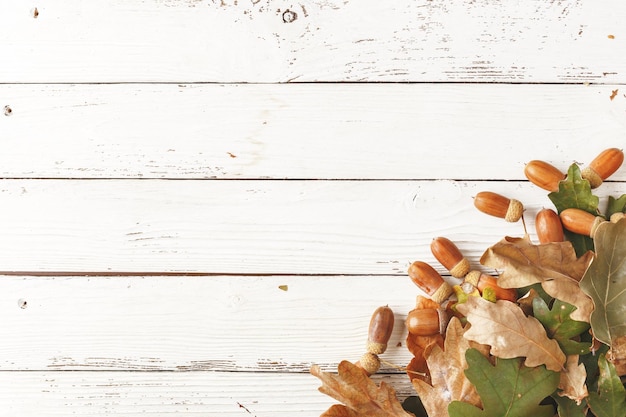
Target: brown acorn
<point>449,255</point>
<point>548,226</point>
<point>481,280</point>
<point>543,175</point>
<point>579,221</point>
<point>427,321</point>
<point>603,166</point>
<point>499,206</point>
<point>428,280</point>
<point>380,329</point>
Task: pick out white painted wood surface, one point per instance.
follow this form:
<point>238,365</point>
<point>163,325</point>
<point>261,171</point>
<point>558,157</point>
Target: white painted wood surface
<point>319,40</point>
<point>248,227</point>
<point>304,131</point>
<point>186,227</point>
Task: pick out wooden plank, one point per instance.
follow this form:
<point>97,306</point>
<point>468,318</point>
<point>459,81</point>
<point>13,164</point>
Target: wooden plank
<point>207,323</point>
<point>248,227</point>
<point>270,41</point>
<point>347,131</point>
<point>134,394</point>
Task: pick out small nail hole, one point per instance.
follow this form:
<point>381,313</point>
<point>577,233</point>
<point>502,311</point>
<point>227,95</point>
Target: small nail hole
<point>8,110</point>
<point>35,13</point>
<point>22,303</point>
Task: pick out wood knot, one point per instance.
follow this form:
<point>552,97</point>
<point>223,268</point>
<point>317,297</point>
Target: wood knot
<point>289,16</point>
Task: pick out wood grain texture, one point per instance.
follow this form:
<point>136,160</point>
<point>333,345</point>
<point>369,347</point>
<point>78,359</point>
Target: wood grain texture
<point>249,227</point>
<point>202,198</point>
<point>134,394</point>
<point>310,131</point>
<point>327,40</point>
<point>278,324</point>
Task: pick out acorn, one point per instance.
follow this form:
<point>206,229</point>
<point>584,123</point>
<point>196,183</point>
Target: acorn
<point>380,329</point>
<point>428,280</point>
<point>369,362</point>
<point>427,321</point>
<point>543,175</point>
<point>499,206</point>
<point>603,166</point>
<point>481,281</point>
<point>581,222</point>
<point>449,255</point>
<point>548,226</point>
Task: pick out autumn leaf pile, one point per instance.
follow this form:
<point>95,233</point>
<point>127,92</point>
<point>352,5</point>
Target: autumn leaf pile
<point>559,349</point>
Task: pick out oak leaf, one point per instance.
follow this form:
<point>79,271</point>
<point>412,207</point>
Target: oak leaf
<point>448,380</point>
<point>360,395</point>
<point>510,333</point>
<point>615,205</point>
<point>507,389</point>
<point>575,192</point>
<point>560,326</point>
<point>617,355</point>
<point>610,400</point>
<point>605,282</point>
<point>572,383</point>
<point>567,407</point>
<point>553,265</point>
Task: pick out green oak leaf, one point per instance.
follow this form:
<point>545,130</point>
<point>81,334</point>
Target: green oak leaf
<point>568,407</point>
<point>616,205</point>
<point>605,282</point>
<point>575,192</point>
<point>560,327</point>
<point>591,363</point>
<point>610,400</point>
<point>506,389</point>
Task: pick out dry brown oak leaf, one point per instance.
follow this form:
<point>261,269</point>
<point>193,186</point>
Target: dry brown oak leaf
<point>617,355</point>
<point>358,393</point>
<point>554,265</point>
<point>573,378</point>
<point>511,334</point>
<point>447,369</point>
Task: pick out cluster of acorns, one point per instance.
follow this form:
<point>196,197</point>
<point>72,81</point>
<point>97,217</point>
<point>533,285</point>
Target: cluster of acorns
<point>575,220</point>
<point>431,321</point>
<point>549,226</point>
<point>548,177</point>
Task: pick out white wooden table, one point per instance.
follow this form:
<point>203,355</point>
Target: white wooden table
<point>201,199</point>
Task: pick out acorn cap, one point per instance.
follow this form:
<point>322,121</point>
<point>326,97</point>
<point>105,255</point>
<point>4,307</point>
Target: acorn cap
<point>472,277</point>
<point>443,292</point>
<point>595,180</point>
<point>596,222</point>
<point>460,269</point>
<point>369,362</point>
<point>515,210</point>
<point>376,348</point>
<point>444,318</point>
